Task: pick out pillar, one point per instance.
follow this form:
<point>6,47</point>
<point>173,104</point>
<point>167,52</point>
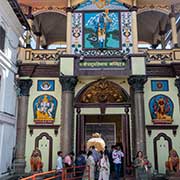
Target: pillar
<point>38,38</point>
<point>23,99</point>
<point>177,84</point>
<point>134,28</point>
<point>69,28</point>
<point>137,83</point>
<point>162,35</point>
<point>173,27</point>
<point>30,19</point>
<point>67,123</point>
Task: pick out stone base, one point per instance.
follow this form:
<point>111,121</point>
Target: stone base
<point>19,165</point>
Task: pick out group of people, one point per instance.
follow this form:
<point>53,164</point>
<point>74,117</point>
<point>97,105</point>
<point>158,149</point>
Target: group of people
<point>99,163</point>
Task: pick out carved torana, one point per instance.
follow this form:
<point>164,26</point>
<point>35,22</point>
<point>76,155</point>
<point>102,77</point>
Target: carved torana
<point>103,91</point>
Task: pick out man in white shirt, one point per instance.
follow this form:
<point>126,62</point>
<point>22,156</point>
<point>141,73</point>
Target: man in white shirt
<point>117,154</point>
<point>59,165</point>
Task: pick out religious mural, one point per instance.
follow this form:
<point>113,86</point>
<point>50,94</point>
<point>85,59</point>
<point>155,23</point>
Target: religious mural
<point>45,85</point>
<point>101,30</point>
<point>161,109</point>
<point>44,108</point>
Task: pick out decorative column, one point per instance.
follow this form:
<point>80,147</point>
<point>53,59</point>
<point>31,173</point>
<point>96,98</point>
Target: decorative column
<point>78,133</point>
<point>127,132</point>
<point>23,99</point>
<point>68,27</point>
<point>134,28</point>
<point>173,27</point>
<point>177,84</point>
<point>137,82</point>
<point>38,38</point>
<point>162,34</point>
<point>30,19</point>
<point>67,124</point>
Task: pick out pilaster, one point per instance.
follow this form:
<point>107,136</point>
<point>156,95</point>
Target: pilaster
<point>137,83</point>
<point>67,123</point>
<point>23,99</point>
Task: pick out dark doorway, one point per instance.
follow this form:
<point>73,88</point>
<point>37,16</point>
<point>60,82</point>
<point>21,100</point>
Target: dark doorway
<point>113,129</point>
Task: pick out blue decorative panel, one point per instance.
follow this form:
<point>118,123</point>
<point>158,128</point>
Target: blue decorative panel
<point>159,85</point>
<point>161,109</point>
<point>44,108</point>
<point>101,4</point>
<point>45,85</point>
<point>101,30</point>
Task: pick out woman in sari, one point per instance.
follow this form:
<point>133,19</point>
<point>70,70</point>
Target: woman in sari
<point>142,166</point>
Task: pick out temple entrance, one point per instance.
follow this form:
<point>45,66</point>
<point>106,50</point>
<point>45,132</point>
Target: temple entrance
<point>102,107</point>
<point>112,127</point>
<point>109,126</point>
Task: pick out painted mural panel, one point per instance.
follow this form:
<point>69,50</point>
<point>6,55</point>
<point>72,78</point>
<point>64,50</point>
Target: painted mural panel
<point>161,109</point>
<point>159,85</point>
<point>45,85</point>
<point>44,108</point>
<point>101,30</point>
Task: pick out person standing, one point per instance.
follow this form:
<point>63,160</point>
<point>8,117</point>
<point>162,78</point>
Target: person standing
<point>68,162</point>
<point>117,155</point>
<point>104,167</point>
<point>80,162</point>
<point>91,163</point>
<point>142,166</point>
<point>59,165</point>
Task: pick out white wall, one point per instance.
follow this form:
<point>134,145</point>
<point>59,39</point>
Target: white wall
<point>8,69</point>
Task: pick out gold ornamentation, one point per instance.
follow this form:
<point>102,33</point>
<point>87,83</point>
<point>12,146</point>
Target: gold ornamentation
<point>101,3</point>
<point>103,91</point>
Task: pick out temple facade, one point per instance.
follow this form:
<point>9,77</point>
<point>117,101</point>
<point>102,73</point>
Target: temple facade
<point>95,66</point>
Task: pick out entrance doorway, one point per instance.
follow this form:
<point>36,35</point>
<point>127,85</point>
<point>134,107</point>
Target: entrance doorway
<point>109,126</point>
<point>114,128</point>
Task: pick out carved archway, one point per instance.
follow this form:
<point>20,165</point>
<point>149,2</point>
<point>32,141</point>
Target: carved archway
<point>49,138</point>
<point>102,91</point>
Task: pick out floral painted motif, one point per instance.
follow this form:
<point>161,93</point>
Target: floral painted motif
<point>126,32</point>
<point>76,33</point>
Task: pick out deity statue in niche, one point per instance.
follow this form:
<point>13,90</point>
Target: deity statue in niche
<point>173,163</point>
<point>161,108</point>
<point>36,161</point>
<point>45,109</point>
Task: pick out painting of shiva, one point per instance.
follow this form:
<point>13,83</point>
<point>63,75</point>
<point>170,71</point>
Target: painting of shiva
<point>44,107</point>
<point>161,109</point>
<point>101,30</point>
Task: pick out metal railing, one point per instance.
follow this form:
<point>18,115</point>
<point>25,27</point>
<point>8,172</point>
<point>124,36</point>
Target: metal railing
<point>70,173</point>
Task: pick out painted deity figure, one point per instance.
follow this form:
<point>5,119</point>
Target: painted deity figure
<point>103,25</point>
<point>44,108</point>
<point>173,163</point>
<point>161,110</point>
<point>36,161</point>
